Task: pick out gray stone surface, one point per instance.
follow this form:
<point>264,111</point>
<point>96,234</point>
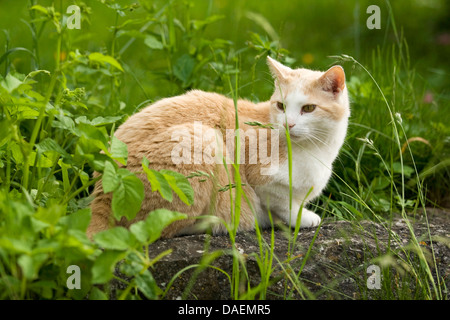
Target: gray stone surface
<point>333,261</point>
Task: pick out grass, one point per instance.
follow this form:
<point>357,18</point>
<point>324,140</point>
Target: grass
<point>61,101</point>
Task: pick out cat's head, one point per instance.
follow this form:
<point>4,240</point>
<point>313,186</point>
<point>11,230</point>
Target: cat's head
<point>313,104</point>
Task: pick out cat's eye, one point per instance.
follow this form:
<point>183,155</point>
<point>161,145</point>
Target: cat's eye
<point>307,108</point>
<point>281,106</point>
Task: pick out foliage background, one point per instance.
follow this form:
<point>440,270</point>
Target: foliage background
<point>127,54</point>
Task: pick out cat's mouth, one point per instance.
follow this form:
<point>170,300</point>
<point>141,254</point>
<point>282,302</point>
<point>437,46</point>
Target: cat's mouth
<point>297,136</point>
<point>293,132</point>
<point>309,137</point>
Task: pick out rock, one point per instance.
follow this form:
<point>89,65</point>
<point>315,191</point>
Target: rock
<point>329,263</point>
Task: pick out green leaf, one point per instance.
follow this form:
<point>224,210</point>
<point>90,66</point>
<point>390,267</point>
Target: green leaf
<point>78,220</point>
<point>97,294</point>
<point>36,72</point>
<point>49,144</point>
<point>98,121</point>
<point>103,268</point>
<point>153,43</point>
<point>119,150</point>
<point>25,112</point>
<point>147,284</point>
<point>66,123</point>
<point>380,183</point>
<point>10,83</point>
<point>149,230</point>
<point>5,131</point>
<point>165,181</point>
<point>183,68</point>
<point>30,265</point>
<point>405,203</point>
<point>110,179</point>
<point>127,197</point>
<point>94,138</point>
<point>44,288</point>
<point>101,58</point>
<point>407,170</point>
<point>379,203</point>
<point>50,215</point>
<point>199,24</point>
<point>117,238</point>
<point>15,245</point>
<point>133,265</point>
<point>42,162</point>
<point>40,8</point>
<point>157,181</point>
<point>180,184</point>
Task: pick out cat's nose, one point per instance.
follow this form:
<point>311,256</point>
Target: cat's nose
<point>291,125</point>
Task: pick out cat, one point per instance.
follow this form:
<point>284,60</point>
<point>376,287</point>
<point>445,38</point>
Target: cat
<point>312,106</point>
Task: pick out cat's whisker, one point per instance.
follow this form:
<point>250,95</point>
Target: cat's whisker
<point>322,139</point>
<point>308,138</point>
<point>321,131</point>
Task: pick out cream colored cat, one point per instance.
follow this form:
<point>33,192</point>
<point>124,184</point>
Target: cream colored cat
<point>191,132</point>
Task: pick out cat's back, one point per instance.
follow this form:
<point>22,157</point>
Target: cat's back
<point>206,107</point>
<point>193,105</point>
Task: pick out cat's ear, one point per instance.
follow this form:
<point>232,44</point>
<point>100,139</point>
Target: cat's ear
<point>333,80</point>
<point>278,70</point>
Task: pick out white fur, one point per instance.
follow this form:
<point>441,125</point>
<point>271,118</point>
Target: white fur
<point>312,168</point>
<point>315,145</point>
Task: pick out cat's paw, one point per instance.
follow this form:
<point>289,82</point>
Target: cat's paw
<point>309,219</point>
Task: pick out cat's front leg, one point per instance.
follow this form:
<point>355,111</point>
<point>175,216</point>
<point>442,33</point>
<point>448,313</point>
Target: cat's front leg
<point>308,218</point>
